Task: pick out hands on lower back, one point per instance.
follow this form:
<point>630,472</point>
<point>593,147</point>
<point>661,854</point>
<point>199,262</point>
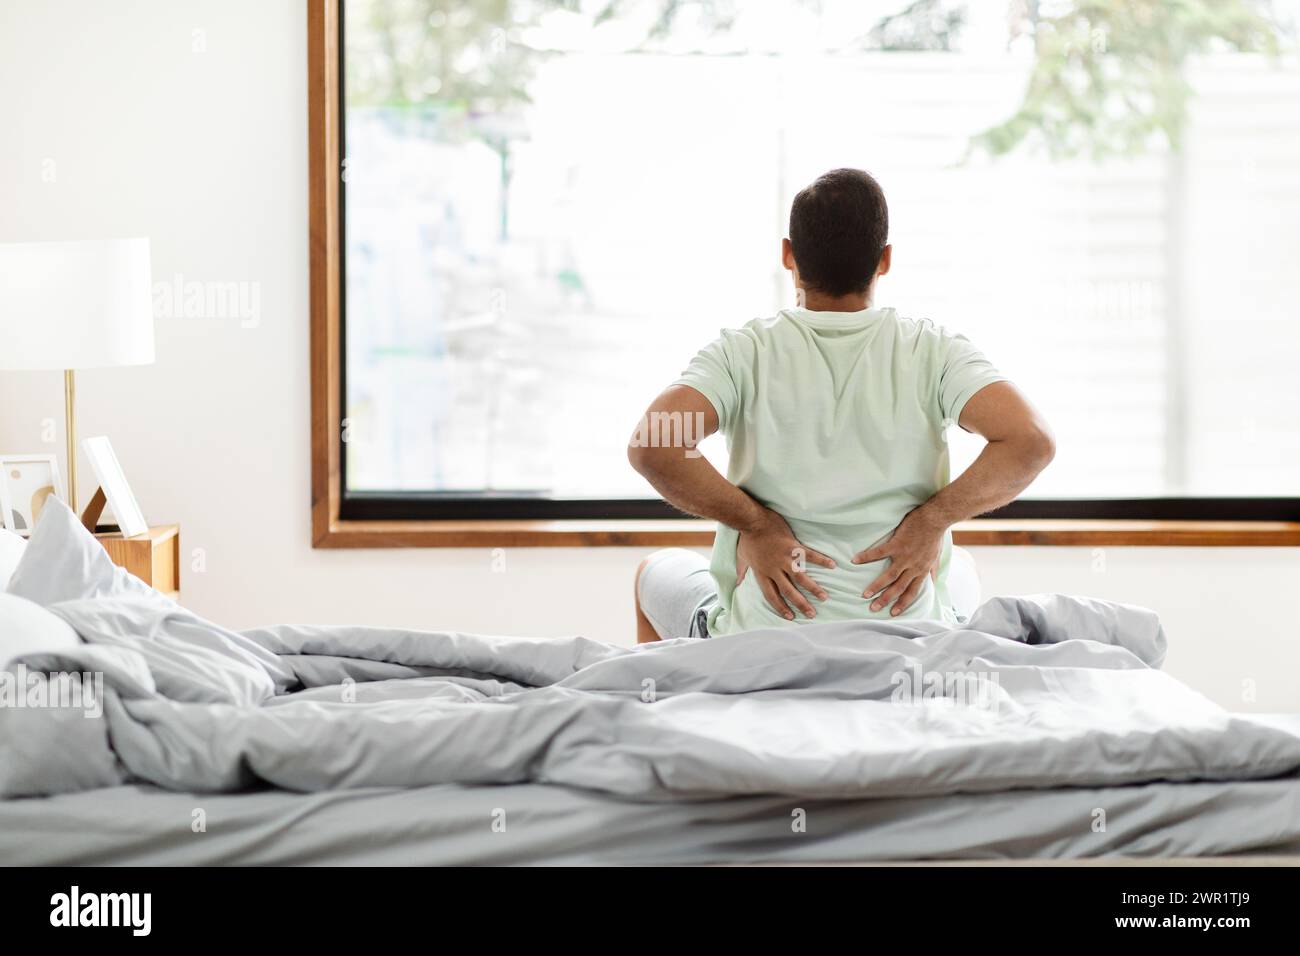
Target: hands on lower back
<point>913,550</point>
<point>778,561</point>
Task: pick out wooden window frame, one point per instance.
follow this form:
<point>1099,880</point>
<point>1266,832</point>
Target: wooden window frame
<point>373,524</point>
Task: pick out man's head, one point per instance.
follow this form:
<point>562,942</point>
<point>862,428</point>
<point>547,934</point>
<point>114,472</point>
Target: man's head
<point>839,234</point>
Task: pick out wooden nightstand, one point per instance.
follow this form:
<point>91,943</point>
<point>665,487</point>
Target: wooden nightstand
<point>154,557</point>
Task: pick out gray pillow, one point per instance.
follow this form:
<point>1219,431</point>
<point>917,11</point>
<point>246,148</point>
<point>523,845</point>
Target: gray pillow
<point>64,562</point>
<point>67,571</point>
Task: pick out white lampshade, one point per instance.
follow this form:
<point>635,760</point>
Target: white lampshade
<point>75,305</point>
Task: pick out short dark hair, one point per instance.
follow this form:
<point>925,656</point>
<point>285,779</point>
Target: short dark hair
<point>839,226</point>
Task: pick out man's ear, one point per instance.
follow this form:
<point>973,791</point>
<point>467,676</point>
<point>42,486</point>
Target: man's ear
<point>787,254</point>
<point>886,260</point>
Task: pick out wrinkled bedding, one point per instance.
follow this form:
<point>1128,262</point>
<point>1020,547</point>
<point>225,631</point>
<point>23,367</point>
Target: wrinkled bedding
<point>1070,697</point>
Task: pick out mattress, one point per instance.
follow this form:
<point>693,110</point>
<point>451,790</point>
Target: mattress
<point>545,824</point>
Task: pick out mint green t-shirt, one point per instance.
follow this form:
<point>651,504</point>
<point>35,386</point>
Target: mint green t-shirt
<point>837,421</point>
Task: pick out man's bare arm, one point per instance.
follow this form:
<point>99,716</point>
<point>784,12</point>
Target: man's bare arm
<point>691,483</point>
<point>1020,445</point>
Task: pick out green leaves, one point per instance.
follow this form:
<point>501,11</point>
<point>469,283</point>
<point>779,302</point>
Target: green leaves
<point>1108,75</point>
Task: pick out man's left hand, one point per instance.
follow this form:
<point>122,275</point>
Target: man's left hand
<point>913,550</point>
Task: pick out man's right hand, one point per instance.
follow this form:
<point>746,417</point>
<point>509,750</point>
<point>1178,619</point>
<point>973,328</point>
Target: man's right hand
<point>778,560</point>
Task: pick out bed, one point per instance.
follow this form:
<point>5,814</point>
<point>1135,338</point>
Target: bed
<point>1041,729</point>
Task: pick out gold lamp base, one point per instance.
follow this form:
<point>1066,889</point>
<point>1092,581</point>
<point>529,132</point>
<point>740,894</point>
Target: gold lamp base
<point>70,433</point>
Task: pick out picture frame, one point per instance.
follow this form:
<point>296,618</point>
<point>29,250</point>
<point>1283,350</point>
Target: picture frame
<point>26,481</point>
<point>103,460</point>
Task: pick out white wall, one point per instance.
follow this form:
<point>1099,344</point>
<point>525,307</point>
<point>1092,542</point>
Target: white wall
<point>204,152</point>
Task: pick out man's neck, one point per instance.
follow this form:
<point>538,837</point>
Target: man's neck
<point>817,302</point>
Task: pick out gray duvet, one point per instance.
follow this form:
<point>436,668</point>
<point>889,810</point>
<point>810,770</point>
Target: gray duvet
<point>1041,692</point>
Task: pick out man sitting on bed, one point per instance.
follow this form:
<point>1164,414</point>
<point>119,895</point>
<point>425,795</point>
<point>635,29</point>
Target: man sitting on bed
<point>837,503</point>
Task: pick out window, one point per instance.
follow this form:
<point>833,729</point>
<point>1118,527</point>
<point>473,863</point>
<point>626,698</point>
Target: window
<point>546,208</point>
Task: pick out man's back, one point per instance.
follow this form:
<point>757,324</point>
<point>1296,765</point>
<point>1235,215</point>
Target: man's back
<point>836,414</point>
<point>836,421</point>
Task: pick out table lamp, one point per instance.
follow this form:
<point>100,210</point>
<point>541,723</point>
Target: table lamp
<point>75,305</point>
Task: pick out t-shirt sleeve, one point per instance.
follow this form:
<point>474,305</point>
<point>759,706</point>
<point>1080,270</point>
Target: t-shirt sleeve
<point>710,374</point>
<point>963,371</point>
